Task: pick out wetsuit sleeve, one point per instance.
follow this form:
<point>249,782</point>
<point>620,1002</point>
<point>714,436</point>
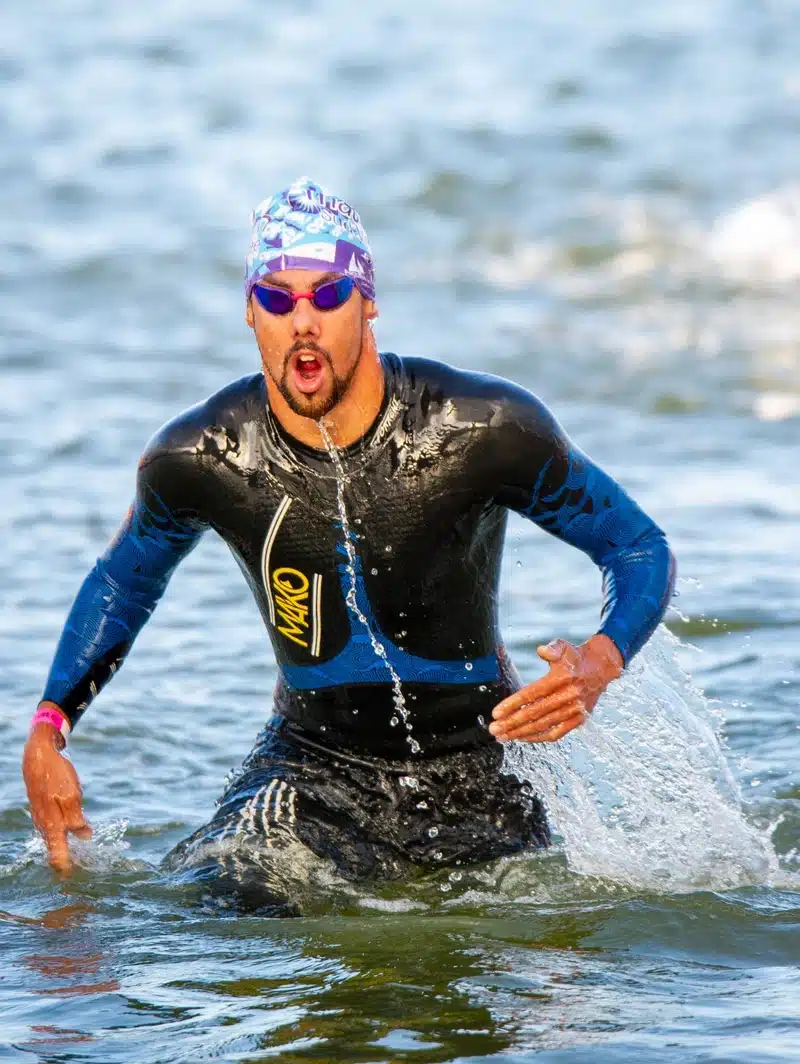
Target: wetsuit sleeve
<point>122,590</point>
<point>549,480</point>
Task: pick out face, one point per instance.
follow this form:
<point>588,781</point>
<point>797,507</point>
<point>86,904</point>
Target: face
<point>310,355</point>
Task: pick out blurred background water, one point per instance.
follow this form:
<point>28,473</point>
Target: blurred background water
<point>601,201</point>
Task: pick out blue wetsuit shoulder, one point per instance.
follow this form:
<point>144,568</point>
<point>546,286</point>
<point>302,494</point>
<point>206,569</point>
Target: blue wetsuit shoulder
<point>537,471</point>
<point>545,477</point>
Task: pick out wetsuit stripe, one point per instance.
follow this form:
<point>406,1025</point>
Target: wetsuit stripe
<point>316,615</point>
<point>272,534</point>
<point>265,813</point>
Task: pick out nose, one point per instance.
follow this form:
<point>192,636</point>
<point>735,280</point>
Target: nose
<point>305,319</point>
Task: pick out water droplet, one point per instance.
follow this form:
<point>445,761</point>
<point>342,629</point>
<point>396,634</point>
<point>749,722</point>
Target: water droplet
<point>358,520</point>
<point>394,722</point>
<point>415,747</point>
<point>445,887</point>
<point>355,712</point>
<point>433,832</point>
<point>438,855</point>
<point>388,549</point>
<point>456,877</point>
<point>402,615</point>
<point>374,572</point>
<point>483,687</point>
<point>481,720</point>
<point>468,666</point>
<point>422,805</point>
<point>323,727</point>
<point>409,781</point>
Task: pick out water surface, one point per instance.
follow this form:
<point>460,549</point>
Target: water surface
<point>599,201</point>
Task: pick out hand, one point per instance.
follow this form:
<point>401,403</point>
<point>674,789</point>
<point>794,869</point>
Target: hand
<point>548,708</point>
<point>54,792</point>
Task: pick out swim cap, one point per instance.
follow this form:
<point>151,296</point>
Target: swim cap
<point>306,227</point>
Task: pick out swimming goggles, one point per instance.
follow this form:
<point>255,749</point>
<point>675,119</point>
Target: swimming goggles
<point>328,296</point>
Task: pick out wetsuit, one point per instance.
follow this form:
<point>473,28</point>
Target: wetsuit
<point>387,643</point>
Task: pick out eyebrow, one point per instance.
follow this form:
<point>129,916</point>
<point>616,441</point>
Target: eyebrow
<point>285,285</point>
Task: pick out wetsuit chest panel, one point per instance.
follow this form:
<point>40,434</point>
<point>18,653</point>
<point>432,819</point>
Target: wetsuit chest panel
<point>298,566</point>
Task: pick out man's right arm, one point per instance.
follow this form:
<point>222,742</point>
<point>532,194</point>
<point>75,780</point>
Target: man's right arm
<point>112,606</point>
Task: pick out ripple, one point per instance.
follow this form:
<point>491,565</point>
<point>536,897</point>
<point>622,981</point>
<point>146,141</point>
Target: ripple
<point>709,627</point>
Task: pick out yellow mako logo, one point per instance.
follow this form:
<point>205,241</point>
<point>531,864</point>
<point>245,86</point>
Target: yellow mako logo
<point>291,588</point>
<point>294,601</point>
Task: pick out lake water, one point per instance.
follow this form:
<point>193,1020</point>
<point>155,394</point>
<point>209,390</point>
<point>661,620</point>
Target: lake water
<point>601,201</point>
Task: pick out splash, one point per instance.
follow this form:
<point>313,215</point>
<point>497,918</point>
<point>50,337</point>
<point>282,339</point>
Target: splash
<point>642,795</point>
<point>401,709</point>
<point>102,853</point>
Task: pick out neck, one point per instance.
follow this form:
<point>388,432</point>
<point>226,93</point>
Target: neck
<point>351,418</point>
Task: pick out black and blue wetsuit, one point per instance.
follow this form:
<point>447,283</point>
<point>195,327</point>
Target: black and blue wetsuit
<point>427,491</point>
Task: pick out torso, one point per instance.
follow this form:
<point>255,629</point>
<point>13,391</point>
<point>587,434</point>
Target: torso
<point>427,540</point>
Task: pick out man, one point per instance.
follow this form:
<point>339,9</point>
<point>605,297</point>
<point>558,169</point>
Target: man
<point>364,497</point>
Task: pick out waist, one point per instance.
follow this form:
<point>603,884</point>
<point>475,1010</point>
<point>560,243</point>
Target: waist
<point>367,718</point>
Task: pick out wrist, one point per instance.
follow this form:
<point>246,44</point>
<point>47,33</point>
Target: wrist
<point>605,651</point>
<point>49,719</point>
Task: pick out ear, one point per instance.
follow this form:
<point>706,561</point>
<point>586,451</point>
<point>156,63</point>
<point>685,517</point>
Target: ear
<point>248,316</point>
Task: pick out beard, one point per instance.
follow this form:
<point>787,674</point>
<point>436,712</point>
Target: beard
<point>318,405</point>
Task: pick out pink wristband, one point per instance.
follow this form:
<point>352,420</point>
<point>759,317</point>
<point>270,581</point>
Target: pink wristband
<point>51,716</point>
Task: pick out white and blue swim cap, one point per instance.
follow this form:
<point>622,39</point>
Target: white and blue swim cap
<point>308,228</point>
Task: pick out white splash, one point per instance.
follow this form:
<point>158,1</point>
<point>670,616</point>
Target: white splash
<point>102,853</point>
<point>642,795</point>
<point>759,241</point>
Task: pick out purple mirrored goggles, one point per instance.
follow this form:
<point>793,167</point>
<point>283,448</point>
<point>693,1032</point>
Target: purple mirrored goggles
<point>327,296</point>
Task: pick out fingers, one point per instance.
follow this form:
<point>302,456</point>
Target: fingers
<point>74,819</point>
<point>555,733</point>
<point>62,816</point>
<point>55,837</point>
<point>527,728</point>
<point>58,854</point>
<point>538,711</point>
<point>553,651</point>
<point>554,681</point>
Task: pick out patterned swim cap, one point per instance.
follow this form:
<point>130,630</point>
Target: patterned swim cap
<point>306,227</point>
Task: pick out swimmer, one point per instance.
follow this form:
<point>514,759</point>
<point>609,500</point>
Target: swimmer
<point>375,568</point>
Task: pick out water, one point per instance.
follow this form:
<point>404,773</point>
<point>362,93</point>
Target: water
<point>599,201</point>
<point>402,711</point>
<point>644,796</point>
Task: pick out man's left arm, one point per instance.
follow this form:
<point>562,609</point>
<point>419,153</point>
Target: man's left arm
<point>572,498</point>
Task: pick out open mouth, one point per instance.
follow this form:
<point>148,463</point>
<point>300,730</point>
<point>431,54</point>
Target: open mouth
<point>308,371</point>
